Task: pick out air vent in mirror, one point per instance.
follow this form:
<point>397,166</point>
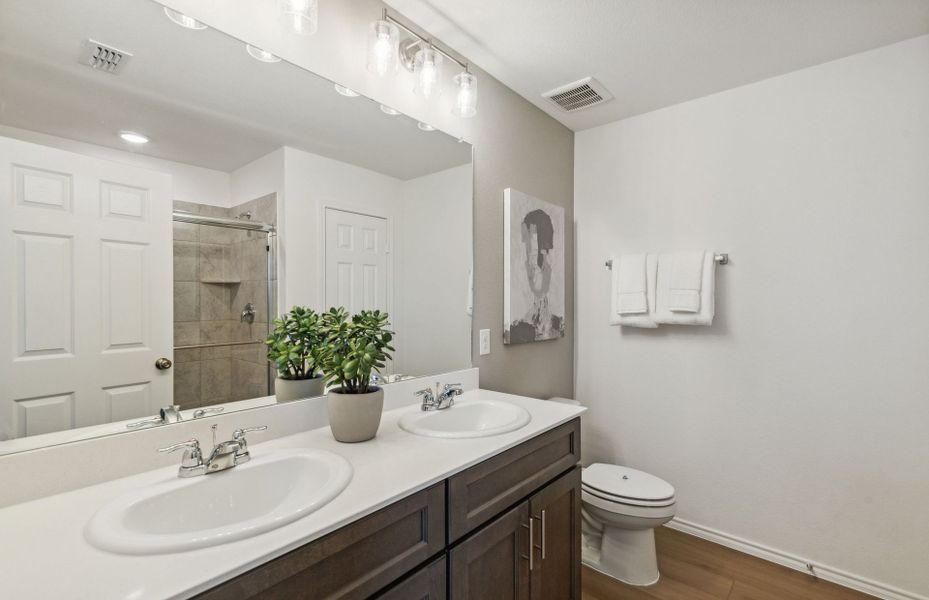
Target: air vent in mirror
<point>103,57</point>
<point>579,95</point>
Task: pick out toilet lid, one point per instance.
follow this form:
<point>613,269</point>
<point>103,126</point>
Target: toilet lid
<point>625,483</point>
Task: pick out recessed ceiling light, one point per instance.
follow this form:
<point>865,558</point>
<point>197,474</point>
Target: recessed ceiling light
<point>346,91</point>
<point>262,55</point>
<point>133,137</point>
<point>425,126</point>
<point>389,111</point>
<point>183,20</point>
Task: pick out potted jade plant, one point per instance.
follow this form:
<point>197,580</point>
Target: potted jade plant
<point>293,348</point>
<point>353,348</point>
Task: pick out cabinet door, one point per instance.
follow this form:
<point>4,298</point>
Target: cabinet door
<point>493,564</point>
<point>556,516</point>
<point>428,583</point>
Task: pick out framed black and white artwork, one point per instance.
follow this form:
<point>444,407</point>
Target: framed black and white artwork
<point>534,269</point>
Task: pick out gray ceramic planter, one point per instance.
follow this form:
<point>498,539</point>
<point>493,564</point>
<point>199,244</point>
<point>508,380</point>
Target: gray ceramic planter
<point>355,417</point>
<point>286,390</point>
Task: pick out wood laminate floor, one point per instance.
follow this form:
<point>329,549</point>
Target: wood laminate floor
<point>695,569</point>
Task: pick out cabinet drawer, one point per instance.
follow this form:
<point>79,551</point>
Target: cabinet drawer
<point>478,494</point>
<point>353,562</point>
<point>428,583</point>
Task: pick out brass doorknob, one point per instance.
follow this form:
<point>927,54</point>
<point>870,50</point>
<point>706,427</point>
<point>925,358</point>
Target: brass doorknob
<point>163,364</point>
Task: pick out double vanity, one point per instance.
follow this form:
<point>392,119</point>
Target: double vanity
<point>450,503</point>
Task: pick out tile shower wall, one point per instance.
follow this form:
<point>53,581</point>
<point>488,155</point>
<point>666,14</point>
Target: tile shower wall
<point>217,271</point>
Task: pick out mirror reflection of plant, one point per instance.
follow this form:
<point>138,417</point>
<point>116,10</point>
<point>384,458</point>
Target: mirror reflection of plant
<point>295,343</point>
<point>354,347</point>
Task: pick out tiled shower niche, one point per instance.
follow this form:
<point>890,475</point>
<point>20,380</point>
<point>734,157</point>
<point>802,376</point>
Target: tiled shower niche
<point>217,272</point>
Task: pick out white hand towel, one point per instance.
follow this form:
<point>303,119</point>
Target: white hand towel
<point>663,313</point>
<point>632,298</point>
<point>646,320</point>
<point>686,280</point>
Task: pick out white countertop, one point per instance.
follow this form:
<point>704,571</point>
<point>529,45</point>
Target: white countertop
<point>43,554</point>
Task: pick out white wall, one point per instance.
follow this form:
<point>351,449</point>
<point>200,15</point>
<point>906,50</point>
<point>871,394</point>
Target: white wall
<point>800,419</point>
<point>258,178</point>
<point>312,182</point>
<point>188,182</point>
<point>435,253</point>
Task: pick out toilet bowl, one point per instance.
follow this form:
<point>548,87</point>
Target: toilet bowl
<point>620,509</point>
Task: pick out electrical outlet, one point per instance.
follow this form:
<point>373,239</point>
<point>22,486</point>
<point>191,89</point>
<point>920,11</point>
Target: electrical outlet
<point>485,342</point>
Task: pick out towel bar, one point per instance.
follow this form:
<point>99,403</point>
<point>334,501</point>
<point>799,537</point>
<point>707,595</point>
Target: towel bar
<point>721,259</point>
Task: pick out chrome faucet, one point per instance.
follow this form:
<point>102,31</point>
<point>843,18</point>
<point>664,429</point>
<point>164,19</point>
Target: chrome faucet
<point>440,400</point>
<point>225,455</point>
<point>168,414</point>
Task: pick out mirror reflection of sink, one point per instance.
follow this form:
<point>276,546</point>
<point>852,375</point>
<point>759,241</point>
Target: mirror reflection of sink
<point>467,419</point>
<point>182,514</point>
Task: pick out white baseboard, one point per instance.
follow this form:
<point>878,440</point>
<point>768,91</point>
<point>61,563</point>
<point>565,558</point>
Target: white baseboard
<point>823,572</point>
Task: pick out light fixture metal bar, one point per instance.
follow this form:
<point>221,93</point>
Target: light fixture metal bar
<point>439,49</point>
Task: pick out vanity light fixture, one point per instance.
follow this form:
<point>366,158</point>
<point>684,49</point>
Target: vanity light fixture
<point>427,65</point>
<point>421,57</point>
<point>393,112</point>
<point>261,55</point>
<point>383,51</point>
<point>133,138</point>
<point>183,20</point>
<point>347,92</point>
<point>425,126</point>
<point>466,97</point>
<point>300,16</point>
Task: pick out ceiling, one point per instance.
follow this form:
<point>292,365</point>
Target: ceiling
<point>196,94</point>
<point>655,53</point>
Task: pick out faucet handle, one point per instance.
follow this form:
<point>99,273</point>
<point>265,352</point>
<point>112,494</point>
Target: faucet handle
<point>239,434</point>
<point>426,393</point>
<point>192,444</point>
<point>242,454</point>
<point>453,387</point>
<point>202,412</point>
<point>192,459</point>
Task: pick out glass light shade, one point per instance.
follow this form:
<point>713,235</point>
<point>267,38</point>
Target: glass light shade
<point>466,98</point>
<point>427,65</point>
<point>300,16</point>
<point>262,55</point>
<point>183,20</point>
<point>347,92</point>
<point>383,47</point>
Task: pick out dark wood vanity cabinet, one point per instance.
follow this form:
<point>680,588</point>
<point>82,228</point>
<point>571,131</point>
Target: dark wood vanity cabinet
<point>531,552</point>
<point>513,533</point>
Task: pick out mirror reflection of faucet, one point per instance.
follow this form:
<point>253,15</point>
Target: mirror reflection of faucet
<point>167,414</point>
<point>440,400</point>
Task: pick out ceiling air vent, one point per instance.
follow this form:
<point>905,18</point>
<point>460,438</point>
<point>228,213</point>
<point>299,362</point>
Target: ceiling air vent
<point>103,57</point>
<point>579,95</point>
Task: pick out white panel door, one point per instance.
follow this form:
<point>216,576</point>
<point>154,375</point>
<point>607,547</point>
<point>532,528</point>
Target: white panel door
<point>356,261</point>
<point>85,290</point>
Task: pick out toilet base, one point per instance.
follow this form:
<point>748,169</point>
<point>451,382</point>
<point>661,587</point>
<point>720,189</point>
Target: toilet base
<point>627,555</point>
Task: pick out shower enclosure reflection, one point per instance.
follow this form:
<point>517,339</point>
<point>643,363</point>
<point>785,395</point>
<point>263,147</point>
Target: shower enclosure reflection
<point>224,283</point>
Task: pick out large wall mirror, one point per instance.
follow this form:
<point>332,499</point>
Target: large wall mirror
<point>165,192</point>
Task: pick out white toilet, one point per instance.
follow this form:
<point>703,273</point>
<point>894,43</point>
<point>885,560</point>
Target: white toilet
<point>620,508</point>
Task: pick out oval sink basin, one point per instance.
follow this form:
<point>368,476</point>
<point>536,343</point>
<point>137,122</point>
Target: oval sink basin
<point>467,419</point>
<point>183,514</point>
